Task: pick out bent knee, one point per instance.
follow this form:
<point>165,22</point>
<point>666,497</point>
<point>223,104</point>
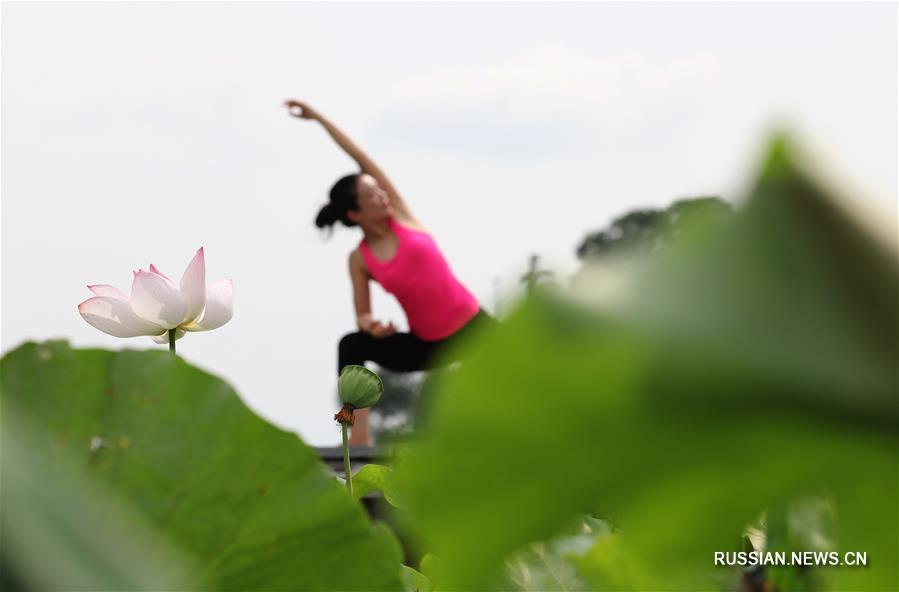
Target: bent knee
<point>354,341</point>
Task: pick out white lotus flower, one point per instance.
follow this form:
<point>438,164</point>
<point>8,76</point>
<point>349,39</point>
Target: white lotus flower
<point>157,305</point>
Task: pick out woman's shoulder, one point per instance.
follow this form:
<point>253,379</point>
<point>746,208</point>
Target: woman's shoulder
<point>357,260</point>
<point>408,223</point>
<point>357,257</point>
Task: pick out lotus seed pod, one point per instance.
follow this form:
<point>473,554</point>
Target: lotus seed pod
<point>359,386</point>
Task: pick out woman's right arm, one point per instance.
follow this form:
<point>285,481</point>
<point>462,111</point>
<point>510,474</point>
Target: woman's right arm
<point>366,164</point>
<point>362,299</point>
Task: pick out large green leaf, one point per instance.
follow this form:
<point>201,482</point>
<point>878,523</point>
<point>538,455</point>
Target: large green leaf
<point>248,504</point>
<point>374,477</point>
<point>751,364</point>
<point>61,530</point>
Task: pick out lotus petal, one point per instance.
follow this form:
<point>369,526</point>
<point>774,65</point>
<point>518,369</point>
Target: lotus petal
<point>193,287</point>
<point>154,269</point>
<point>164,338</point>
<point>107,290</point>
<point>219,307</point>
<point>114,316</point>
<point>157,299</point>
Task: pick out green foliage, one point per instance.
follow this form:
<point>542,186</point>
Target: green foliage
<point>553,565</point>
<point>247,505</point>
<point>748,370</point>
<point>60,530</point>
<point>415,581</point>
<point>753,364</point>
<point>535,569</point>
<point>374,477</point>
<point>803,525</point>
<point>430,567</point>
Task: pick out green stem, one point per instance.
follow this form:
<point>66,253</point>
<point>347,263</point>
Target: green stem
<point>346,461</point>
<point>172,341</point>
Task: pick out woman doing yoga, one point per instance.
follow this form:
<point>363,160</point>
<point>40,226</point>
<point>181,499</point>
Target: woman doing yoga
<point>398,253</point>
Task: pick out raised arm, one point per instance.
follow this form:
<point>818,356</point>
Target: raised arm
<point>302,110</point>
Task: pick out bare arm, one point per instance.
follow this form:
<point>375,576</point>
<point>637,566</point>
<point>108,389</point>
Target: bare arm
<point>366,164</point>
<point>362,299</point>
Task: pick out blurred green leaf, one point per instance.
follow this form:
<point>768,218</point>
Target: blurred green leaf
<point>803,525</point>
<point>430,568</point>
<point>752,364</point>
<point>789,302</point>
<point>551,565</point>
<point>581,537</point>
<point>373,477</point>
<point>415,581</point>
<point>536,569</point>
<point>60,531</point>
<point>250,505</point>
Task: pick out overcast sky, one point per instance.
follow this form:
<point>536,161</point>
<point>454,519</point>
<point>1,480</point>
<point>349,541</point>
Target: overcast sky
<point>136,133</point>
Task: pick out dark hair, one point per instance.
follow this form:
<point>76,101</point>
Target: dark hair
<point>343,198</point>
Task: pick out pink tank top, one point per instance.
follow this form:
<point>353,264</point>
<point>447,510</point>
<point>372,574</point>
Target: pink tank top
<point>435,302</point>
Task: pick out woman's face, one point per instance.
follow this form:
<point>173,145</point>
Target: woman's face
<point>374,205</point>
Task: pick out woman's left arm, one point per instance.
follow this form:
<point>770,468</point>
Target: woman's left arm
<point>366,164</point>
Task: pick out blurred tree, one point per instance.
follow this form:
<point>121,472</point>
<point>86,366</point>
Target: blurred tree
<point>534,275</point>
<point>643,231</point>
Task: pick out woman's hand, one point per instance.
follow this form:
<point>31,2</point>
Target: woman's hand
<point>379,329</point>
<point>300,109</point>
<point>376,328</point>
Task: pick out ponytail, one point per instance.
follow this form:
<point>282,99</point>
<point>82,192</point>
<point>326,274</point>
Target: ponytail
<point>342,199</point>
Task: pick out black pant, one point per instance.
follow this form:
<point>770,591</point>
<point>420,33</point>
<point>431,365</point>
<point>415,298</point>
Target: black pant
<point>401,352</point>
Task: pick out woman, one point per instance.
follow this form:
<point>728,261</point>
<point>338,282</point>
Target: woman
<point>398,253</point>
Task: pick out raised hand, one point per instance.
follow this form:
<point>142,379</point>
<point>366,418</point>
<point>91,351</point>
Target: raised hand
<point>300,109</point>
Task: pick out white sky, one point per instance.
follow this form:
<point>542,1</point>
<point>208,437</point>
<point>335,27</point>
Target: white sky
<point>135,133</point>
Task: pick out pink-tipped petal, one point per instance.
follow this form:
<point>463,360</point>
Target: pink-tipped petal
<point>193,287</point>
<point>157,300</point>
<point>164,338</point>
<point>107,290</point>
<point>219,307</point>
<point>154,269</point>
<point>115,317</point>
